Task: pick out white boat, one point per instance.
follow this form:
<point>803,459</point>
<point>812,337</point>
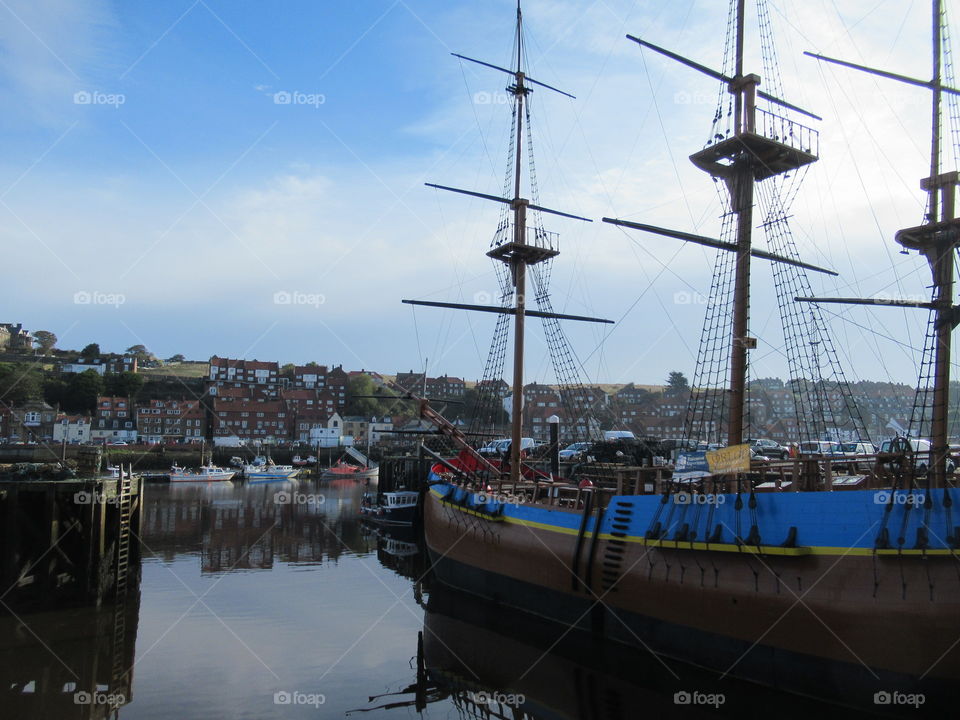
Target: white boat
<point>263,470</point>
<point>205,473</point>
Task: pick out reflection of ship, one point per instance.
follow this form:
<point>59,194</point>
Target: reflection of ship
<point>491,662</point>
<point>831,594</point>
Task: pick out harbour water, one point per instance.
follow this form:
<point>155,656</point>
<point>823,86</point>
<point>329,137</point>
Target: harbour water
<point>275,601</point>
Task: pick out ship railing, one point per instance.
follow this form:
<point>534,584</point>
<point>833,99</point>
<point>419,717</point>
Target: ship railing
<point>787,132</point>
<point>536,237</point>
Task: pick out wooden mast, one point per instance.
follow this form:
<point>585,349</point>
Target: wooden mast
<point>937,240</point>
<point>516,252</point>
<point>746,157</point>
<point>740,185</point>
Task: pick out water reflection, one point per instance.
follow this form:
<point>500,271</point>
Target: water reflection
<point>238,527</point>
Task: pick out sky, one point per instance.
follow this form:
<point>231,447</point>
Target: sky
<point>246,179</point>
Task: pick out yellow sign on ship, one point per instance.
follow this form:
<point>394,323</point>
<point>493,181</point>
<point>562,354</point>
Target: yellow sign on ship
<point>729,460</point>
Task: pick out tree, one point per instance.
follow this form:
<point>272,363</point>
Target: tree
<point>287,371</point>
<point>45,340</point>
<point>82,392</point>
<point>364,406</point>
<point>20,383</point>
<point>125,384</point>
<point>677,382</point>
<point>91,351</point>
<point>175,359</point>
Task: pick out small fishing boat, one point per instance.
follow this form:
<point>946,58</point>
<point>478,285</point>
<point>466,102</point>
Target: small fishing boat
<point>367,469</point>
<point>265,470</point>
<point>205,473</point>
<point>390,508</point>
<point>301,462</point>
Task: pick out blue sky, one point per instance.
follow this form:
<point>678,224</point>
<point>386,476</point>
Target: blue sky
<point>185,190</point>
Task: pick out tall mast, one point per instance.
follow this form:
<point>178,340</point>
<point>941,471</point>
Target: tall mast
<point>740,185</point>
<point>745,157</point>
<point>936,239</point>
<point>516,251</point>
<point>518,265</point>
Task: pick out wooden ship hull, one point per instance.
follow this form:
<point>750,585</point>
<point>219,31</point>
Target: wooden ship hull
<point>825,619</point>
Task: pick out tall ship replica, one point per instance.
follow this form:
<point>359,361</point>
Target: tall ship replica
<point>806,574</point>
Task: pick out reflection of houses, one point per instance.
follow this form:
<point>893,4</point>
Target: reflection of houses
<point>252,528</point>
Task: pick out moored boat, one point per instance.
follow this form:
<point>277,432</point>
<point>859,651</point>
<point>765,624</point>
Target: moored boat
<point>263,469</point>
<point>205,473</point>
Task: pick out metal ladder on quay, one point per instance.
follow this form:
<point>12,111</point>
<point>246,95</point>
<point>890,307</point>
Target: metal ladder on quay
<point>124,512</point>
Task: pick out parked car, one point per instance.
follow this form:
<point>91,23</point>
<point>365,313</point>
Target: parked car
<point>575,451</point>
<point>828,448</point>
<point>769,448</point>
<point>618,435</point>
<point>853,449</point>
<point>494,447</point>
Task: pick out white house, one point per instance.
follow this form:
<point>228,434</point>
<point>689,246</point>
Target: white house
<point>71,429</point>
<point>329,436</point>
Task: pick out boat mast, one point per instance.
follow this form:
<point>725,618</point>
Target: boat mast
<point>936,240</point>
<point>518,265</point>
<point>516,252</point>
<point>740,184</point>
